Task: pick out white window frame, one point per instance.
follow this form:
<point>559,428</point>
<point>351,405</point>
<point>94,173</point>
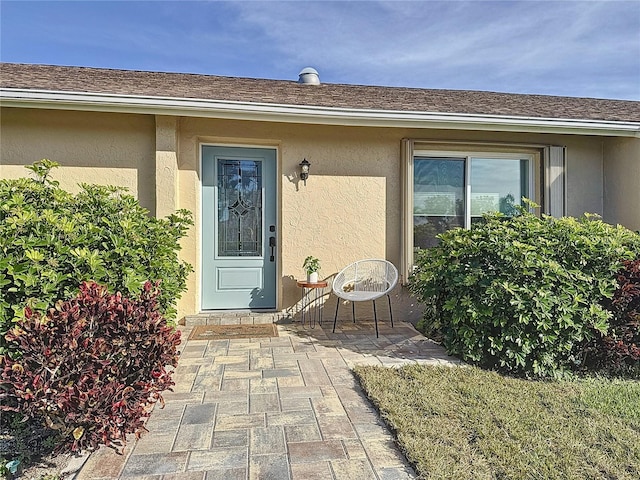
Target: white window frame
<point>545,164</point>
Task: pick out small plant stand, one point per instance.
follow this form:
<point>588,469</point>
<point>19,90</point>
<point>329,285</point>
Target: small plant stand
<point>312,307</point>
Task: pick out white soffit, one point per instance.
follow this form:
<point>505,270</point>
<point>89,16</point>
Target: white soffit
<point>270,112</point>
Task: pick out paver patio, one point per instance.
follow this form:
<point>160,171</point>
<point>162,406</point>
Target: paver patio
<point>282,408</point>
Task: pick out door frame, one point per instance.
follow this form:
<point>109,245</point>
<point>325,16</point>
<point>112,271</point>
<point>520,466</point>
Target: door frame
<point>199,223</point>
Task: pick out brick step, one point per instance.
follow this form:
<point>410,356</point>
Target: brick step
<point>234,318</point>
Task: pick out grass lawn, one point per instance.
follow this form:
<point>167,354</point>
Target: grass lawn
<point>468,423</point>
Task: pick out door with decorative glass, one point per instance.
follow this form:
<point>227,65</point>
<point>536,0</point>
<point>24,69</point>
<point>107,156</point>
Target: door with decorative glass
<point>238,228</point>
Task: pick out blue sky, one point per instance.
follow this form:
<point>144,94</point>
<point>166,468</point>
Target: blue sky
<point>573,48</point>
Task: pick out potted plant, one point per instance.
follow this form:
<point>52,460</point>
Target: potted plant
<point>311,265</point>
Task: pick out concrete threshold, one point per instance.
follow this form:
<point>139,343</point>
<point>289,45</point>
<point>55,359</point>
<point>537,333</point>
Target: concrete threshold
<point>234,317</point>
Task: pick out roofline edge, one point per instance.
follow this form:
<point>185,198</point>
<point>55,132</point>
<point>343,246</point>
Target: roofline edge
<point>191,107</point>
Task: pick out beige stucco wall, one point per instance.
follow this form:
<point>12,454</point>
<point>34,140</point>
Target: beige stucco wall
<point>584,175</point>
<point>107,148</point>
<point>344,213</point>
<point>351,206</point>
<point>349,209</point>
<point>622,181</point>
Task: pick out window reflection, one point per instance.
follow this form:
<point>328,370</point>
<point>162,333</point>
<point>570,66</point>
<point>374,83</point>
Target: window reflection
<point>439,203</point>
<point>498,185</point>
<point>438,198</point>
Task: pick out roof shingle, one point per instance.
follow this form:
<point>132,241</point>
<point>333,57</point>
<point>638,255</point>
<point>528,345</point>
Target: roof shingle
<point>282,92</point>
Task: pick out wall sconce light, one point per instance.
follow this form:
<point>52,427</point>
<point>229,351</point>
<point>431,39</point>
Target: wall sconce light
<point>304,170</point>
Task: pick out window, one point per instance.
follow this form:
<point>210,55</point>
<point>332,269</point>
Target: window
<point>451,190</point>
<point>449,185</point>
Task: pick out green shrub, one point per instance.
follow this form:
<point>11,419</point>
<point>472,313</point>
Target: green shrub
<point>522,294</point>
<point>92,368</point>
<point>51,241</point>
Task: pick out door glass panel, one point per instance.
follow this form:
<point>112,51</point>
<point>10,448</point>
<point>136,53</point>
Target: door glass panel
<point>438,198</point>
<point>239,208</point>
<point>497,185</point>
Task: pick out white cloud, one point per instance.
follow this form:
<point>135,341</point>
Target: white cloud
<point>585,48</point>
<point>513,46</point>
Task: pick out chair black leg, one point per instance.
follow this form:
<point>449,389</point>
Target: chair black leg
<point>375,317</point>
<point>390,312</point>
<point>335,318</point>
<point>353,311</point>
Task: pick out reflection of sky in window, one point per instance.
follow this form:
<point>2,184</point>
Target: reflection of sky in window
<point>496,176</point>
<point>438,175</point>
<point>439,183</point>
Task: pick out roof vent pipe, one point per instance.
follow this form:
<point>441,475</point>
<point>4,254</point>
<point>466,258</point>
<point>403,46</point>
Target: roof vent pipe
<point>309,76</point>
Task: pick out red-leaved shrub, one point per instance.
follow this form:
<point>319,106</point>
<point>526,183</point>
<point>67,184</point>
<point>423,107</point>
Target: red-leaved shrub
<point>93,367</point>
<point>618,352</point>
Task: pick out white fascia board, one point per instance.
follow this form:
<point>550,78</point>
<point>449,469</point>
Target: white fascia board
<point>270,112</point>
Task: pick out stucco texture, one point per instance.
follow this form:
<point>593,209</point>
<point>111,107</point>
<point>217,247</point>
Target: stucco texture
<point>349,209</point>
<point>105,148</point>
<point>622,182</point>
<point>342,214</point>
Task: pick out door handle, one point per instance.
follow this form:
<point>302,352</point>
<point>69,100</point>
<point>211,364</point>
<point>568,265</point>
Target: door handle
<point>272,244</point>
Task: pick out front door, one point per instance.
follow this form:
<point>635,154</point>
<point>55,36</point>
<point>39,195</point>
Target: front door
<point>238,228</point>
